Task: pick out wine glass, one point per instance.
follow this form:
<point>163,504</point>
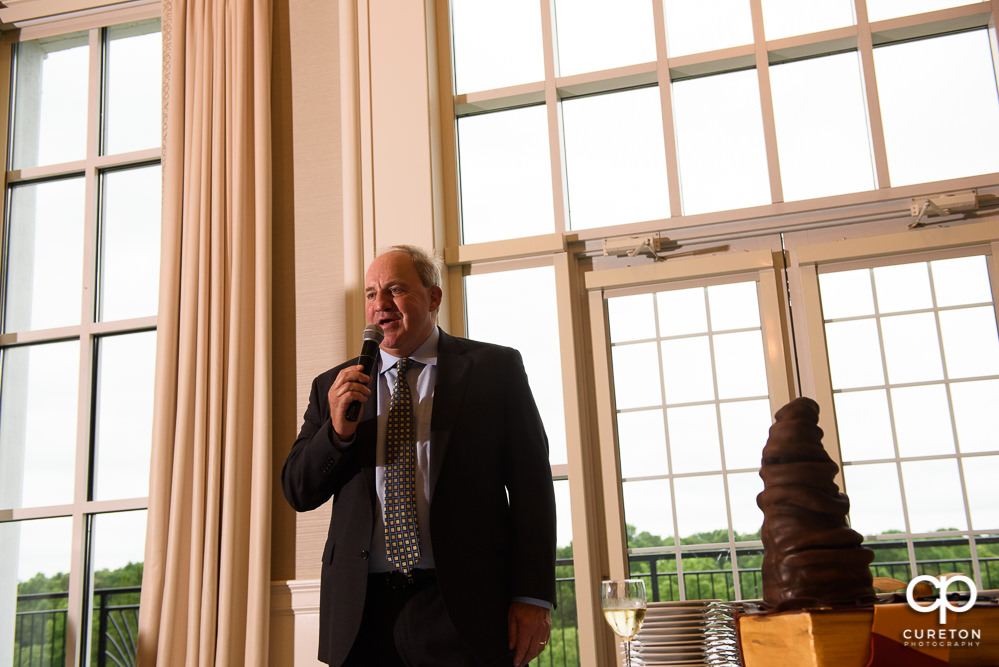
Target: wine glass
<point>623,603</point>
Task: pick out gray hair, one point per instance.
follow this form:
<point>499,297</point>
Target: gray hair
<point>428,265</point>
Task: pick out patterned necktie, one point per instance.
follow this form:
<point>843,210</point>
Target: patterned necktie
<point>402,541</point>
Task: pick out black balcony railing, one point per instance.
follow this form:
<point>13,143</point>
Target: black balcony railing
<point>40,628</point>
<point>658,570</point>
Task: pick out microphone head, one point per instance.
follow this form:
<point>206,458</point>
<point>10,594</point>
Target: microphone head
<point>374,333</point>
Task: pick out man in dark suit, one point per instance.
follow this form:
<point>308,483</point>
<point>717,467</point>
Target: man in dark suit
<point>479,581</point>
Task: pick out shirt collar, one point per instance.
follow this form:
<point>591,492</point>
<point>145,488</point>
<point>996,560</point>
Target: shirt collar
<point>425,354</point>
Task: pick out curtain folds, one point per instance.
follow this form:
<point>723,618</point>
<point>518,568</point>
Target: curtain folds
<point>206,582</point>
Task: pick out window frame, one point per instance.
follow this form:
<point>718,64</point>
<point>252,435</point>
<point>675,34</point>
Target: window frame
<point>917,245</point>
<point>761,266</point>
<point>89,332</point>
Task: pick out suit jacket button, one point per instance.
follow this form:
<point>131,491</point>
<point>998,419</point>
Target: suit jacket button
<point>364,555</point>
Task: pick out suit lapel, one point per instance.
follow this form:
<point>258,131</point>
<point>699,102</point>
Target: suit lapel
<point>453,369</point>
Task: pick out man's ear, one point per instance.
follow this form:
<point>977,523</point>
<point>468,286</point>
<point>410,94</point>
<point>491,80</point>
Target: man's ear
<point>436,296</point>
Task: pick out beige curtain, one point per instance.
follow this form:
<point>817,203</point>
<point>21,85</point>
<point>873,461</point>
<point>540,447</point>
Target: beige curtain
<point>206,583</point>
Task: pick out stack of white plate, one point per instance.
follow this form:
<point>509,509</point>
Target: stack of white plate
<point>692,632</point>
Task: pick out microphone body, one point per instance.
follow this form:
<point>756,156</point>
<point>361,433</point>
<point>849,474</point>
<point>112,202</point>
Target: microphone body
<point>372,338</point>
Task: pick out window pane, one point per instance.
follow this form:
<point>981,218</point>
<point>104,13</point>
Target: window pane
<point>693,27</point>
<point>631,318</point>
<point>739,365</point>
<point>642,443</point>
<point>971,345</point>
<point>38,412</point>
<point>45,261</point>
<point>734,306</point>
<point>595,35</point>
<point>922,421</point>
<point>822,134</point>
<point>878,10</point>
<point>784,18</point>
<point>132,112</point>
<point>902,287</point>
<point>538,343</point>
<point>563,512</point>
<point>747,517</point>
<point>702,506</point>
<point>123,415</point>
<point>980,475</point>
<point>34,569</point>
<point>744,432</point>
<point>615,158</point>
<point>693,437</point>
<point>130,243</point>
<point>50,101</point>
<point>483,30</point>
<point>682,311</point>
<point>961,281</point>
<point>864,425</point>
<point>930,512</point>
<point>687,370</point>
<point>634,385</point>
<point>117,556</point>
<point>939,138</point>
<point>912,348</point>
<point>846,294</point>
<point>647,507</point>
<point>974,406</point>
<point>720,147</point>
<point>930,560</point>
<point>875,498</point>
<point>854,354</point>
<point>506,180</point>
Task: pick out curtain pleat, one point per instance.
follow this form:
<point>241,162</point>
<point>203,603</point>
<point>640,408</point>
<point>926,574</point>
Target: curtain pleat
<point>206,581</point>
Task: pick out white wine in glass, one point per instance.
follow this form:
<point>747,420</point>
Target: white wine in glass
<point>623,603</point>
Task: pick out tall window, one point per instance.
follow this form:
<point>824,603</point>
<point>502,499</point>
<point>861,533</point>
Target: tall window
<point>80,282</point>
<point>691,396</point>
<point>534,332</point>
<point>586,133</point>
<point>914,364</point>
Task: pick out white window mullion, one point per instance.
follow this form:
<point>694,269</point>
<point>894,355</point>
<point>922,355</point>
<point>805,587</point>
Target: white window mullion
<point>666,100</point>
<point>865,45</point>
<point>766,102</point>
<point>553,115</point>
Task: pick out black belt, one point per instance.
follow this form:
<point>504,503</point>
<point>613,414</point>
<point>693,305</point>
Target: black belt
<point>396,580</point>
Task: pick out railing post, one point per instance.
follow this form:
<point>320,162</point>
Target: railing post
<point>654,579</point>
<point>102,638</point>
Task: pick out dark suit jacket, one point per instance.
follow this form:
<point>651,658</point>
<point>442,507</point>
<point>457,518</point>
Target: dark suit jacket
<point>492,508</point>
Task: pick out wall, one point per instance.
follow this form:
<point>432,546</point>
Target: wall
<point>356,169</point>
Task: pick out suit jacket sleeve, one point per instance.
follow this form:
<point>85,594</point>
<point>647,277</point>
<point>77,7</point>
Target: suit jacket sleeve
<point>315,469</point>
<point>532,497</point>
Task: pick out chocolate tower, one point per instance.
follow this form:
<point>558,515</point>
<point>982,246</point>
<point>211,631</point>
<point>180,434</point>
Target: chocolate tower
<point>811,557</point>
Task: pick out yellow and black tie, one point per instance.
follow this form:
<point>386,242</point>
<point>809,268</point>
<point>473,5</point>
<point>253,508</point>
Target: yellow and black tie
<point>402,541</point>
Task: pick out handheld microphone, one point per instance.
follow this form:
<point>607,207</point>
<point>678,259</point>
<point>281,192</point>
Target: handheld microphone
<point>372,337</point>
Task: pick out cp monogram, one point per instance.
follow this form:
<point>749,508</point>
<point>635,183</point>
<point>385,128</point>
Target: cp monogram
<point>941,603</point>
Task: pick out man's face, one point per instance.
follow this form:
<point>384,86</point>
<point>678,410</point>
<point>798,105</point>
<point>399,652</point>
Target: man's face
<point>397,301</point>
